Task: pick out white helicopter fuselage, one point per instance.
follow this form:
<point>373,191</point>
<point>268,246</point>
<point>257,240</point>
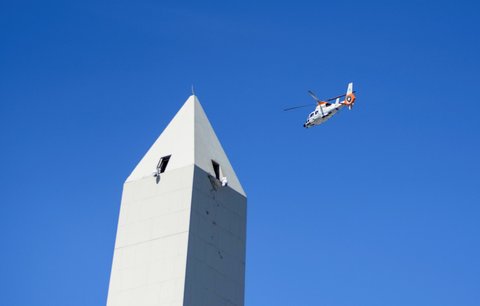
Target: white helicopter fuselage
<point>322,113</point>
<point>324,109</point>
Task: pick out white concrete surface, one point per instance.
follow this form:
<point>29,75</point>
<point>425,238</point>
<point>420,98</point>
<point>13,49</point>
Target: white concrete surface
<point>181,240</point>
<point>190,139</point>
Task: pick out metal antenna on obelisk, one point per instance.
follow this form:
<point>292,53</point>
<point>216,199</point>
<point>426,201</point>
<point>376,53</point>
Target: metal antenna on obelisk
<point>193,90</point>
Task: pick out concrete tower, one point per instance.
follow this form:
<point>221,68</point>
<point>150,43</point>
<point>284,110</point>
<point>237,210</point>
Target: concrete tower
<point>182,225</point>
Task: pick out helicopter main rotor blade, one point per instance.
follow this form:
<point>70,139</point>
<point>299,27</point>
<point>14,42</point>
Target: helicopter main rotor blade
<point>340,96</point>
<point>314,96</point>
<point>295,107</point>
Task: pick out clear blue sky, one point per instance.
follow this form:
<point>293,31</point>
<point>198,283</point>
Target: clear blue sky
<point>379,206</point>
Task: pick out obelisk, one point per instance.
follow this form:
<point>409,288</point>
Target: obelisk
<point>182,226</point>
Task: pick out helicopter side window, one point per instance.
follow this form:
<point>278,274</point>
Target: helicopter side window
<point>316,112</point>
<point>311,114</point>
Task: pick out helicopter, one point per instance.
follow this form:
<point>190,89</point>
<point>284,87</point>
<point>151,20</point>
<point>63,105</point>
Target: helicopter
<point>325,110</point>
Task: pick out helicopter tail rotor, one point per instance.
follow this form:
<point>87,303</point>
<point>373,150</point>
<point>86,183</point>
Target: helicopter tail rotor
<point>349,97</point>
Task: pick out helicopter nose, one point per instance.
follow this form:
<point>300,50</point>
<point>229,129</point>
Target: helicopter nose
<point>304,125</point>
